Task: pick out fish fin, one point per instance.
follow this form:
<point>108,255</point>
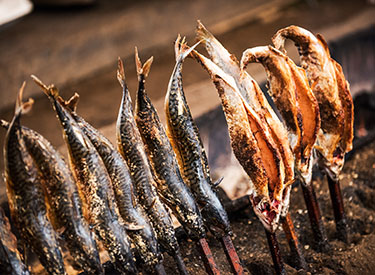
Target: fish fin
<point>133,226</point>
<point>182,50</point>
<point>4,124</point>
<point>71,103</point>
<point>120,72</point>
<point>217,183</point>
<point>145,69</point>
<point>202,33</point>
<point>50,91</point>
<point>23,107</point>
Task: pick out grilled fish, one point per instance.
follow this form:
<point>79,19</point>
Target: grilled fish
<point>290,90</point>
<point>26,196</point>
<point>254,148</point>
<point>171,186</point>
<point>10,258</point>
<point>332,92</point>
<point>186,142</point>
<point>130,145</point>
<point>139,229</point>
<point>95,187</point>
<point>63,198</point>
<point>252,94</point>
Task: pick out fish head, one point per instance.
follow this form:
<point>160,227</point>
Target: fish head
<point>217,222</point>
<point>267,211</point>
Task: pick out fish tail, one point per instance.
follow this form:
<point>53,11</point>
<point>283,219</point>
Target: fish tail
<point>145,69</point>
<point>4,124</point>
<point>182,50</point>
<point>71,103</point>
<point>23,107</point>
<point>51,91</point>
<point>202,33</point>
<point>120,72</point>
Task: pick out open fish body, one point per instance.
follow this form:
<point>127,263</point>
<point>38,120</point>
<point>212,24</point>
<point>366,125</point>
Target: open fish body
<point>184,136</point>
<point>136,223</point>
<point>65,210</point>
<point>10,258</point>
<point>130,145</point>
<point>289,88</point>
<point>26,197</point>
<point>252,94</point>
<point>331,91</point>
<point>171,186</point>
<point>254,148</point>
<point>94,186</point>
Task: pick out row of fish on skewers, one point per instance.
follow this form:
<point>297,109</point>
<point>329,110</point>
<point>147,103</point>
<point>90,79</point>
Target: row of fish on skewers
<point>119,194</point>
<point>316,126</point>
<point>317,117</point>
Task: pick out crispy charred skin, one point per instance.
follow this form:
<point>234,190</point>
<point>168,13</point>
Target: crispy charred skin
<point>293,97</point>
<point>95,187</point>
<point>252,94</point>
<point>63,198</point>
<point>188,147</point>
<point>137,225</point>
<point>254,148</point>
<point>171,186</point>
<point>331,91</point>
<point>26,196</point>
<point>131,147</point>
<point>10,258</point>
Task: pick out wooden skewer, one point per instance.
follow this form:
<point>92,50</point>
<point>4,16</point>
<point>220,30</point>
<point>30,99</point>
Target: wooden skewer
<point>295,247</point>
<point>207,257</point>
<point>231,254</point>
<point>316,221</point>
<point>275,253</point>
<point>180,263</point>
<point>342,227</point>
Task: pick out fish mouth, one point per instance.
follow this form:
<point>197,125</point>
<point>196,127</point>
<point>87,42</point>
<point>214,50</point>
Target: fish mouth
<point>267,212</point>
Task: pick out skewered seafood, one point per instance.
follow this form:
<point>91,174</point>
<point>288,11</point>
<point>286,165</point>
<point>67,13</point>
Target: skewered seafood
<point>188,147</point>
<point>139,229</point>
<point>65,210</point>
<point>95,187</point>
<point>252,94</point>
<point>293,97</point>
<point>26,196</point>
<point>332,92</point>
<point>10,258</point>
<point>130,145</point>
<point>171,186</point>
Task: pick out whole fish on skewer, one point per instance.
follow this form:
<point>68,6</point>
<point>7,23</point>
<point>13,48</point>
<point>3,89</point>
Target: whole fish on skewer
<point>95,187</point>
<point>26,196</point>
<point>130,145</point>
<point>10,258</point>
<point>171,186</point>
<point>257,153</point>
<point>187,144</point>
<point>332,92</point>
<point>65,210</point>
<point>137,225</point>
<point>252,94</point>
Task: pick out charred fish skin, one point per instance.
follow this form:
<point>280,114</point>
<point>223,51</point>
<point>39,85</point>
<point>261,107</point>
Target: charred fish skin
<point>10,258</point>
<point>131,147</point>
<point>188,147</point>
<point>163,160</point>
<point>332,92</point>
<point>63,198</point>
<point>139,229</point>
<point>94,183</point>
<point>251,93</point>
<point>26,196</point>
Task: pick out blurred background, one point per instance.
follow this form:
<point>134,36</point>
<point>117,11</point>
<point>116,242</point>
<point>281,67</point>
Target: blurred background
<point>75,44</point>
